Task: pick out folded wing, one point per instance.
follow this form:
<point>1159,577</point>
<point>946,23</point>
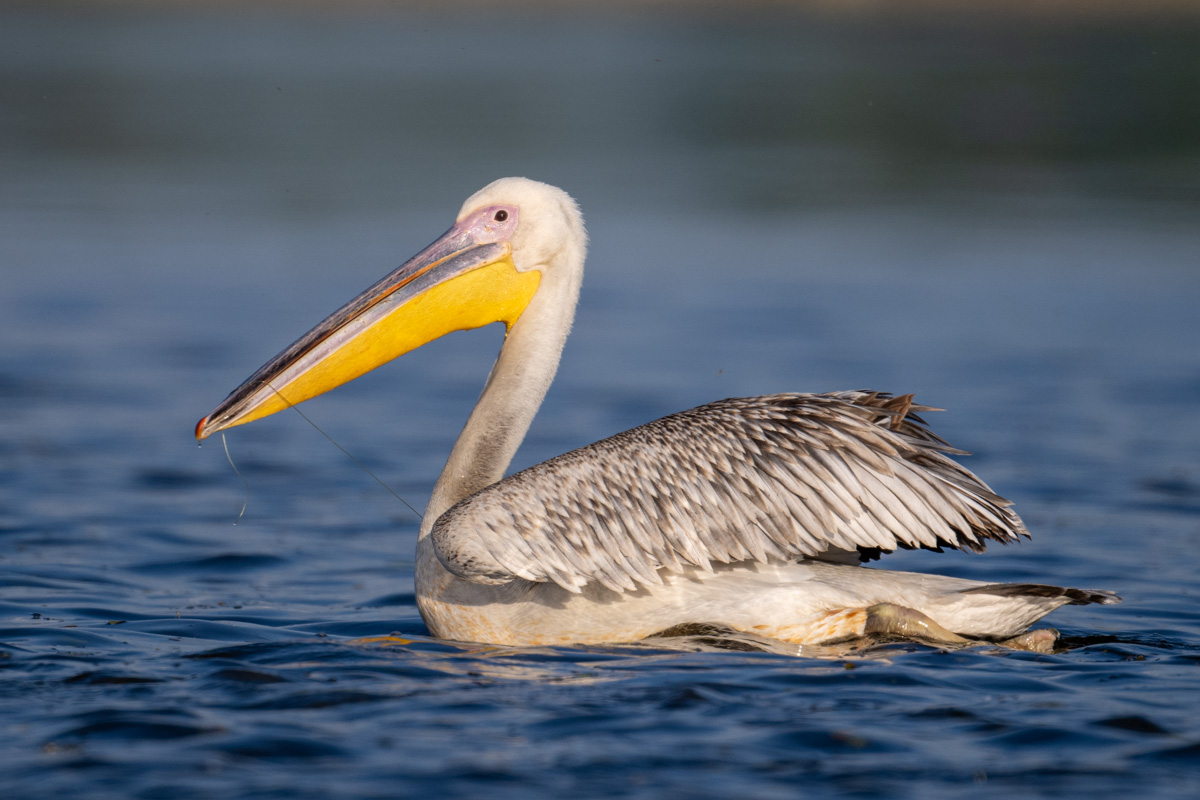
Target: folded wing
<point>745,479</point>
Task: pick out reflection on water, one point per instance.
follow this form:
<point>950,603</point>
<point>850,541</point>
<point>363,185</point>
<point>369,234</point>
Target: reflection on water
<point>996,213</point>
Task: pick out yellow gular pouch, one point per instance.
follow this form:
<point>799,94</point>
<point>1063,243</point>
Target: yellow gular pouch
<point>494,292</point>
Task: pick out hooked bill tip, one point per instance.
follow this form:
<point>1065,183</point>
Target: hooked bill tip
<point>200,427</point>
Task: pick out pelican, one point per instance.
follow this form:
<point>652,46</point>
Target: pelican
<point>752,513</point>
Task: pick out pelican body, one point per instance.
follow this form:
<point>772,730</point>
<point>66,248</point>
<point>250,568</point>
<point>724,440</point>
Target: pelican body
<point>749,513</point>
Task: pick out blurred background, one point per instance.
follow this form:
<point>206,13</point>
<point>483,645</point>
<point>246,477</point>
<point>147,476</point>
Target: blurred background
<point>995,207</point>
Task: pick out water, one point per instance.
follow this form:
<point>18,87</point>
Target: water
<point>993,214</point>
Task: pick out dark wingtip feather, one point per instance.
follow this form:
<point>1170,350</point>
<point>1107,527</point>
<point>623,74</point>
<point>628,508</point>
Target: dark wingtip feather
<point>1075,597</point>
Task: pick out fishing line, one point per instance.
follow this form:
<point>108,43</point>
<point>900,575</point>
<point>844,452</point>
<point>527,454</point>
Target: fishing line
<point>317,427</point>
<point>349,455</point>
<point>229,458</point>
<point>356,461</point>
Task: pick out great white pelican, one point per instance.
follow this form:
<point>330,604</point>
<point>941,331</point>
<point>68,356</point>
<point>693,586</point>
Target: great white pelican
<point>750,513</point>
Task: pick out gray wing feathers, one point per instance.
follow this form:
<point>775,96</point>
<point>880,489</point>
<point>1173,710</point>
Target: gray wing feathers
<point>747,479</point>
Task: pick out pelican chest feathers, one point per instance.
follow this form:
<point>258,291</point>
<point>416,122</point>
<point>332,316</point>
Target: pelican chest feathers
<point>750,513</point>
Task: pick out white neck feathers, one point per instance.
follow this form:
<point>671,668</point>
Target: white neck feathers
<point>514,390</point>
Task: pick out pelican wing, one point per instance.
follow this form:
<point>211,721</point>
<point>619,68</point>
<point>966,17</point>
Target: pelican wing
<point>746,479</point>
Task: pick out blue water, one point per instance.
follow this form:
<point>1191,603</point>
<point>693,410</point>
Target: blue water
<point>990,213</point>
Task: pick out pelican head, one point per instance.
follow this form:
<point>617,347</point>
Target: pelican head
<point>509,238</point>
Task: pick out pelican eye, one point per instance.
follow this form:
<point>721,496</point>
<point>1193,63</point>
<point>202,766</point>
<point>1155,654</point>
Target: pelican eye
<point>500,215</point>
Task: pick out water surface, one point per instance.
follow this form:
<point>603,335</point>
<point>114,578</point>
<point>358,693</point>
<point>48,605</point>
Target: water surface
<point>989,213</point>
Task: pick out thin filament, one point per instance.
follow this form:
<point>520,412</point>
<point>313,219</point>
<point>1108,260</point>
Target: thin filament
<point>246,501</point>
<point>347,452</point>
